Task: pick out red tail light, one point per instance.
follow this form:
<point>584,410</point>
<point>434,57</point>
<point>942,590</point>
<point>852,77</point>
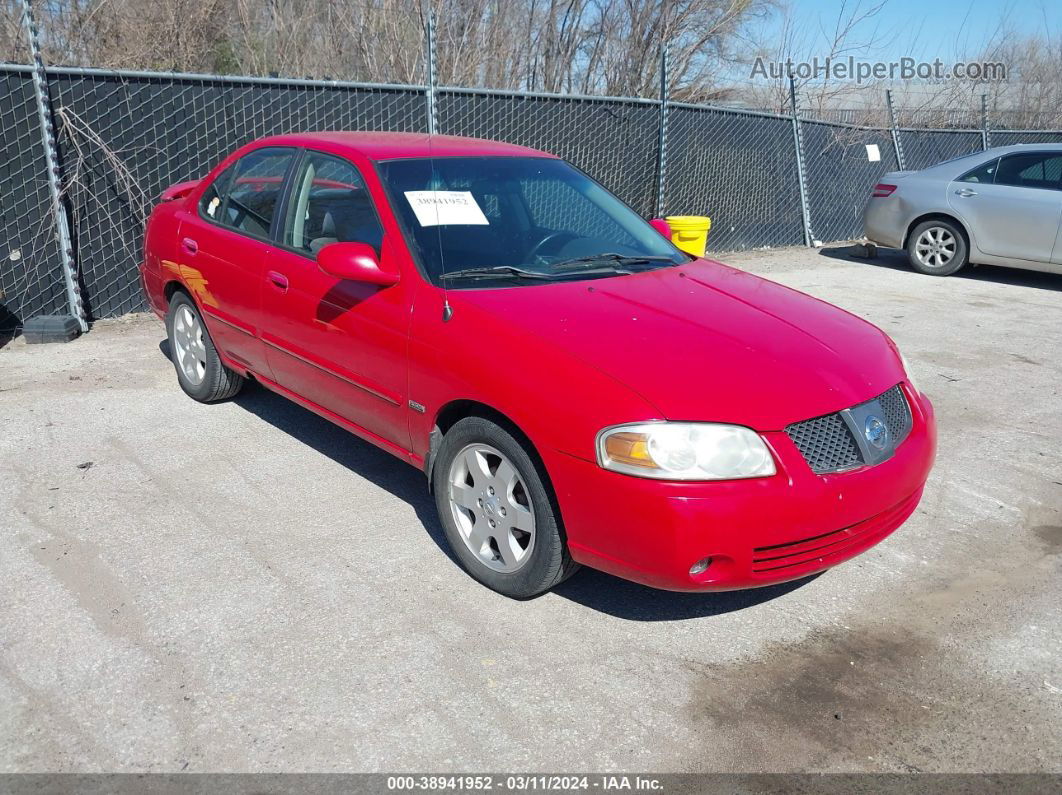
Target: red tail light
<point>881,190</point>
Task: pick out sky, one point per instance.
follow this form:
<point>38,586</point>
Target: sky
<point>927,29</point>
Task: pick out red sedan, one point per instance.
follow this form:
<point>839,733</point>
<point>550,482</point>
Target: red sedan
<point>576,389</point>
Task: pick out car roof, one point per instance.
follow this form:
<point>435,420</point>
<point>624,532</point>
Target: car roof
<point>397,145</point>
<point>963,163</point>
<point>1003,150</point>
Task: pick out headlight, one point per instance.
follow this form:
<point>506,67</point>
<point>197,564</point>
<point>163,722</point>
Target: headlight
<point>684,451</point>
<point>907,369</point>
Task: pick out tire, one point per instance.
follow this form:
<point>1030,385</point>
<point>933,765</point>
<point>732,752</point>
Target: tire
<point>937,248</point>
<point>503,526</point>
<point>200,371</point>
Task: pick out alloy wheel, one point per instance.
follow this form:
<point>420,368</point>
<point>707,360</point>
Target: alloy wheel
<point>492,508</point>
<point>935,247</point>
<point>188,345</point>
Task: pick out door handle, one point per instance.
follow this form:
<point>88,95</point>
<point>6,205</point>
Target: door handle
<point>278,280</point>
<point>189,245</point>
<point>965,193</point>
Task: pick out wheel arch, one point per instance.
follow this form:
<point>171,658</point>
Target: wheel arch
<point>449,414</point>
<point>939,216</point>
<point>174,286</point>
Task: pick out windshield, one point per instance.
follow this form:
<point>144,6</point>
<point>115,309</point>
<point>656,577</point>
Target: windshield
<point>521,220</point>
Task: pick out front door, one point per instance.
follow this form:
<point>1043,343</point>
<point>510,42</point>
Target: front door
<point>339,344</point>
<point>1017,214</point>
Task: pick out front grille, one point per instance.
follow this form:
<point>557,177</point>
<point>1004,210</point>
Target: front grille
<point>897,413</point>
<point>827,443</point>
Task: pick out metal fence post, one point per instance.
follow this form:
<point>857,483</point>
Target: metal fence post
<point>900,164</point>
<point>986,133</point>
<point>432,77</point>
<point>51,163</point>
<point>798,150</point>
<point>661,145</point>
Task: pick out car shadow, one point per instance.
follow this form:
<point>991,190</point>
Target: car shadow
<point>633,602</point>
<point>590,588</point>
<point>362,458</point>
<point>896,259</point>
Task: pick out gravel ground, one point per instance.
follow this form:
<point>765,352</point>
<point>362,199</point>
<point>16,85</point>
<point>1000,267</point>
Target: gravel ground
<point>244,587</point>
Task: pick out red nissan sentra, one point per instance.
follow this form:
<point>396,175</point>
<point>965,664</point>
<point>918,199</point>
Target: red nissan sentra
<point>576,389</point>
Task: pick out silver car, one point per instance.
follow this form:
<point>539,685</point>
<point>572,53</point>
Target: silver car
<point>1002,206</point>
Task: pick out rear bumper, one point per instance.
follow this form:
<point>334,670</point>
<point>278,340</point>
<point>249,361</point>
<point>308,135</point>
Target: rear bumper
<point>882,222</point>
<point>757,532</point>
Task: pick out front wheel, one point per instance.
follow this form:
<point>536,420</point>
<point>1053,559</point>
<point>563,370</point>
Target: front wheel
<point>496,511</point>
<point>937,248</point>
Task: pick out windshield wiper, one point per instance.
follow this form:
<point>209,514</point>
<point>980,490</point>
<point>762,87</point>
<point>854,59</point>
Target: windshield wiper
<point>610,258</point>
<point>503,271</point>
<point>494,272</point>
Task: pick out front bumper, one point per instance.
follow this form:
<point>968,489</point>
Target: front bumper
<point>757,532</point>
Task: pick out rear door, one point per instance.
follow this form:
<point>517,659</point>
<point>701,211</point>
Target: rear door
<point>1017,213</point>
<point>223,245</point>
<point>338,344</point>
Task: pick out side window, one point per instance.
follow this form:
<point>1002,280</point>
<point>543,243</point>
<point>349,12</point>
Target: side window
<point>983,174</point>
<point>330,204</point>
<point>1033,170</point>
<point>213,196</point>
<point>258,179</point>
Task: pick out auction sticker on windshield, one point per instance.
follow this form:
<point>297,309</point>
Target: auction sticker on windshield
<point>445,208</point>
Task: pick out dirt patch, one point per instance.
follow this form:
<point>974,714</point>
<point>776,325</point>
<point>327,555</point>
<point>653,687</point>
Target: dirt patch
<point>1050,536</point>
<point>870,695</point>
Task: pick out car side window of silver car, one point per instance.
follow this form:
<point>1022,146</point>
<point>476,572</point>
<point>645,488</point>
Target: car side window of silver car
<point>1041,170</point>
<point>983,174</point>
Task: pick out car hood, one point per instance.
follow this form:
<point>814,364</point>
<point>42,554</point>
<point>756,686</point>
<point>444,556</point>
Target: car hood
<point>706,342</point>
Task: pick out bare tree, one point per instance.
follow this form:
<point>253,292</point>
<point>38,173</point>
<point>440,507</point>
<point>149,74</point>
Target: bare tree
<point>581,46</point>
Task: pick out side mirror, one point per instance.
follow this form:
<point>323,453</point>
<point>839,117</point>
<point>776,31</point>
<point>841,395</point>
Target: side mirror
<point>354,262</point>
<point>662,226</point>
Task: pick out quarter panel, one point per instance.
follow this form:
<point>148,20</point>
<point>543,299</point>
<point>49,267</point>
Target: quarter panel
<point>160,243</point>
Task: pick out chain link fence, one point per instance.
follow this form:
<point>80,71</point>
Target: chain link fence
<point>614,140</point>
<point>30,278</point>
<point>839,173</point>
<point>737,168</point>
<point>1009,137</point>
<point>923,148</point>
<point>125,136</point>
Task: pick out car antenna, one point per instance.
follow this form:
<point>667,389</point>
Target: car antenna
<point>448,311</point>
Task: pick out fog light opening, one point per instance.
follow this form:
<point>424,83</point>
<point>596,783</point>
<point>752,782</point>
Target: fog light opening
<point>700,566</point>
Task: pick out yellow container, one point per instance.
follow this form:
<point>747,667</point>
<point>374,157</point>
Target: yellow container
<point>690,232</point>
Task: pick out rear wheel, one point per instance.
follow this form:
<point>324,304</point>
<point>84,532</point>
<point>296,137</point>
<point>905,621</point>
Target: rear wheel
<point>496,511</point>
<point>200,371</point>
<point>937,248</point>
